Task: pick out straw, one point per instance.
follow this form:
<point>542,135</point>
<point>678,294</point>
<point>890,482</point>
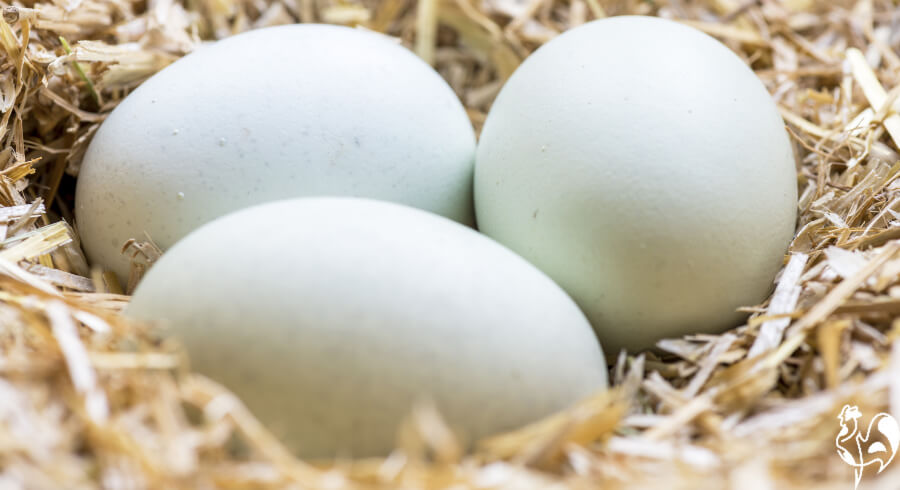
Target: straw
<point>89,399</point>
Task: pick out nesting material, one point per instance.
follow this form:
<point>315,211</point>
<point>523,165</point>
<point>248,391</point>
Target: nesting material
<point>89,400</point>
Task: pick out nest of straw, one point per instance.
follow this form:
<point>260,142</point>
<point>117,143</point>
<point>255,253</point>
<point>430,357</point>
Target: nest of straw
<point>89,400</point>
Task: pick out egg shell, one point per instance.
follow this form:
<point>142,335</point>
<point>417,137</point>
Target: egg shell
<point>275,113</point>
<point>645,168</point>
<point>331,317</point>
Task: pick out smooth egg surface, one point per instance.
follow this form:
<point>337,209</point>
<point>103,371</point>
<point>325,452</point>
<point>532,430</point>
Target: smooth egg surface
<point>645,168</point>
<point>280,112</point>
<point>332,317</point>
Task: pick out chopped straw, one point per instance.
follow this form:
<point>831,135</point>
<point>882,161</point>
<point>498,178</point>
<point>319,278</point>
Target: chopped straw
<point>91,400</point>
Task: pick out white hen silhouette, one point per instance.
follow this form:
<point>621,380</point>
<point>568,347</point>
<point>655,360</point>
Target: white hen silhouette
<point>861,451</point>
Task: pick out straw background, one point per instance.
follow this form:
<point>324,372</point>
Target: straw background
<point>90,400</point>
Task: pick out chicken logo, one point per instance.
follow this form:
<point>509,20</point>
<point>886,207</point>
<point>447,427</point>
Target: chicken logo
<point>878,445</point>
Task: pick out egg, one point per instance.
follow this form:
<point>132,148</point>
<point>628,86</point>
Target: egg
<point>276,113</point>
<point>331,317</point>
<point>645,168</point>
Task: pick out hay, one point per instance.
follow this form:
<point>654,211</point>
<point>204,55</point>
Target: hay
<point>89,400</point>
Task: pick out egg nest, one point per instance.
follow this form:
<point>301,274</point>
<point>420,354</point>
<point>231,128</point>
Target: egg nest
<point>91,400</point>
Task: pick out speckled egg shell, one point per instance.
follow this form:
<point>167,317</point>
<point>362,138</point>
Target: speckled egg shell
<point>645,168</point>
<point>271,114</point>
<point>330,317</point>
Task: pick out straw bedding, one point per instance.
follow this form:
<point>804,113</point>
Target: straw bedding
<point>89,400</point>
